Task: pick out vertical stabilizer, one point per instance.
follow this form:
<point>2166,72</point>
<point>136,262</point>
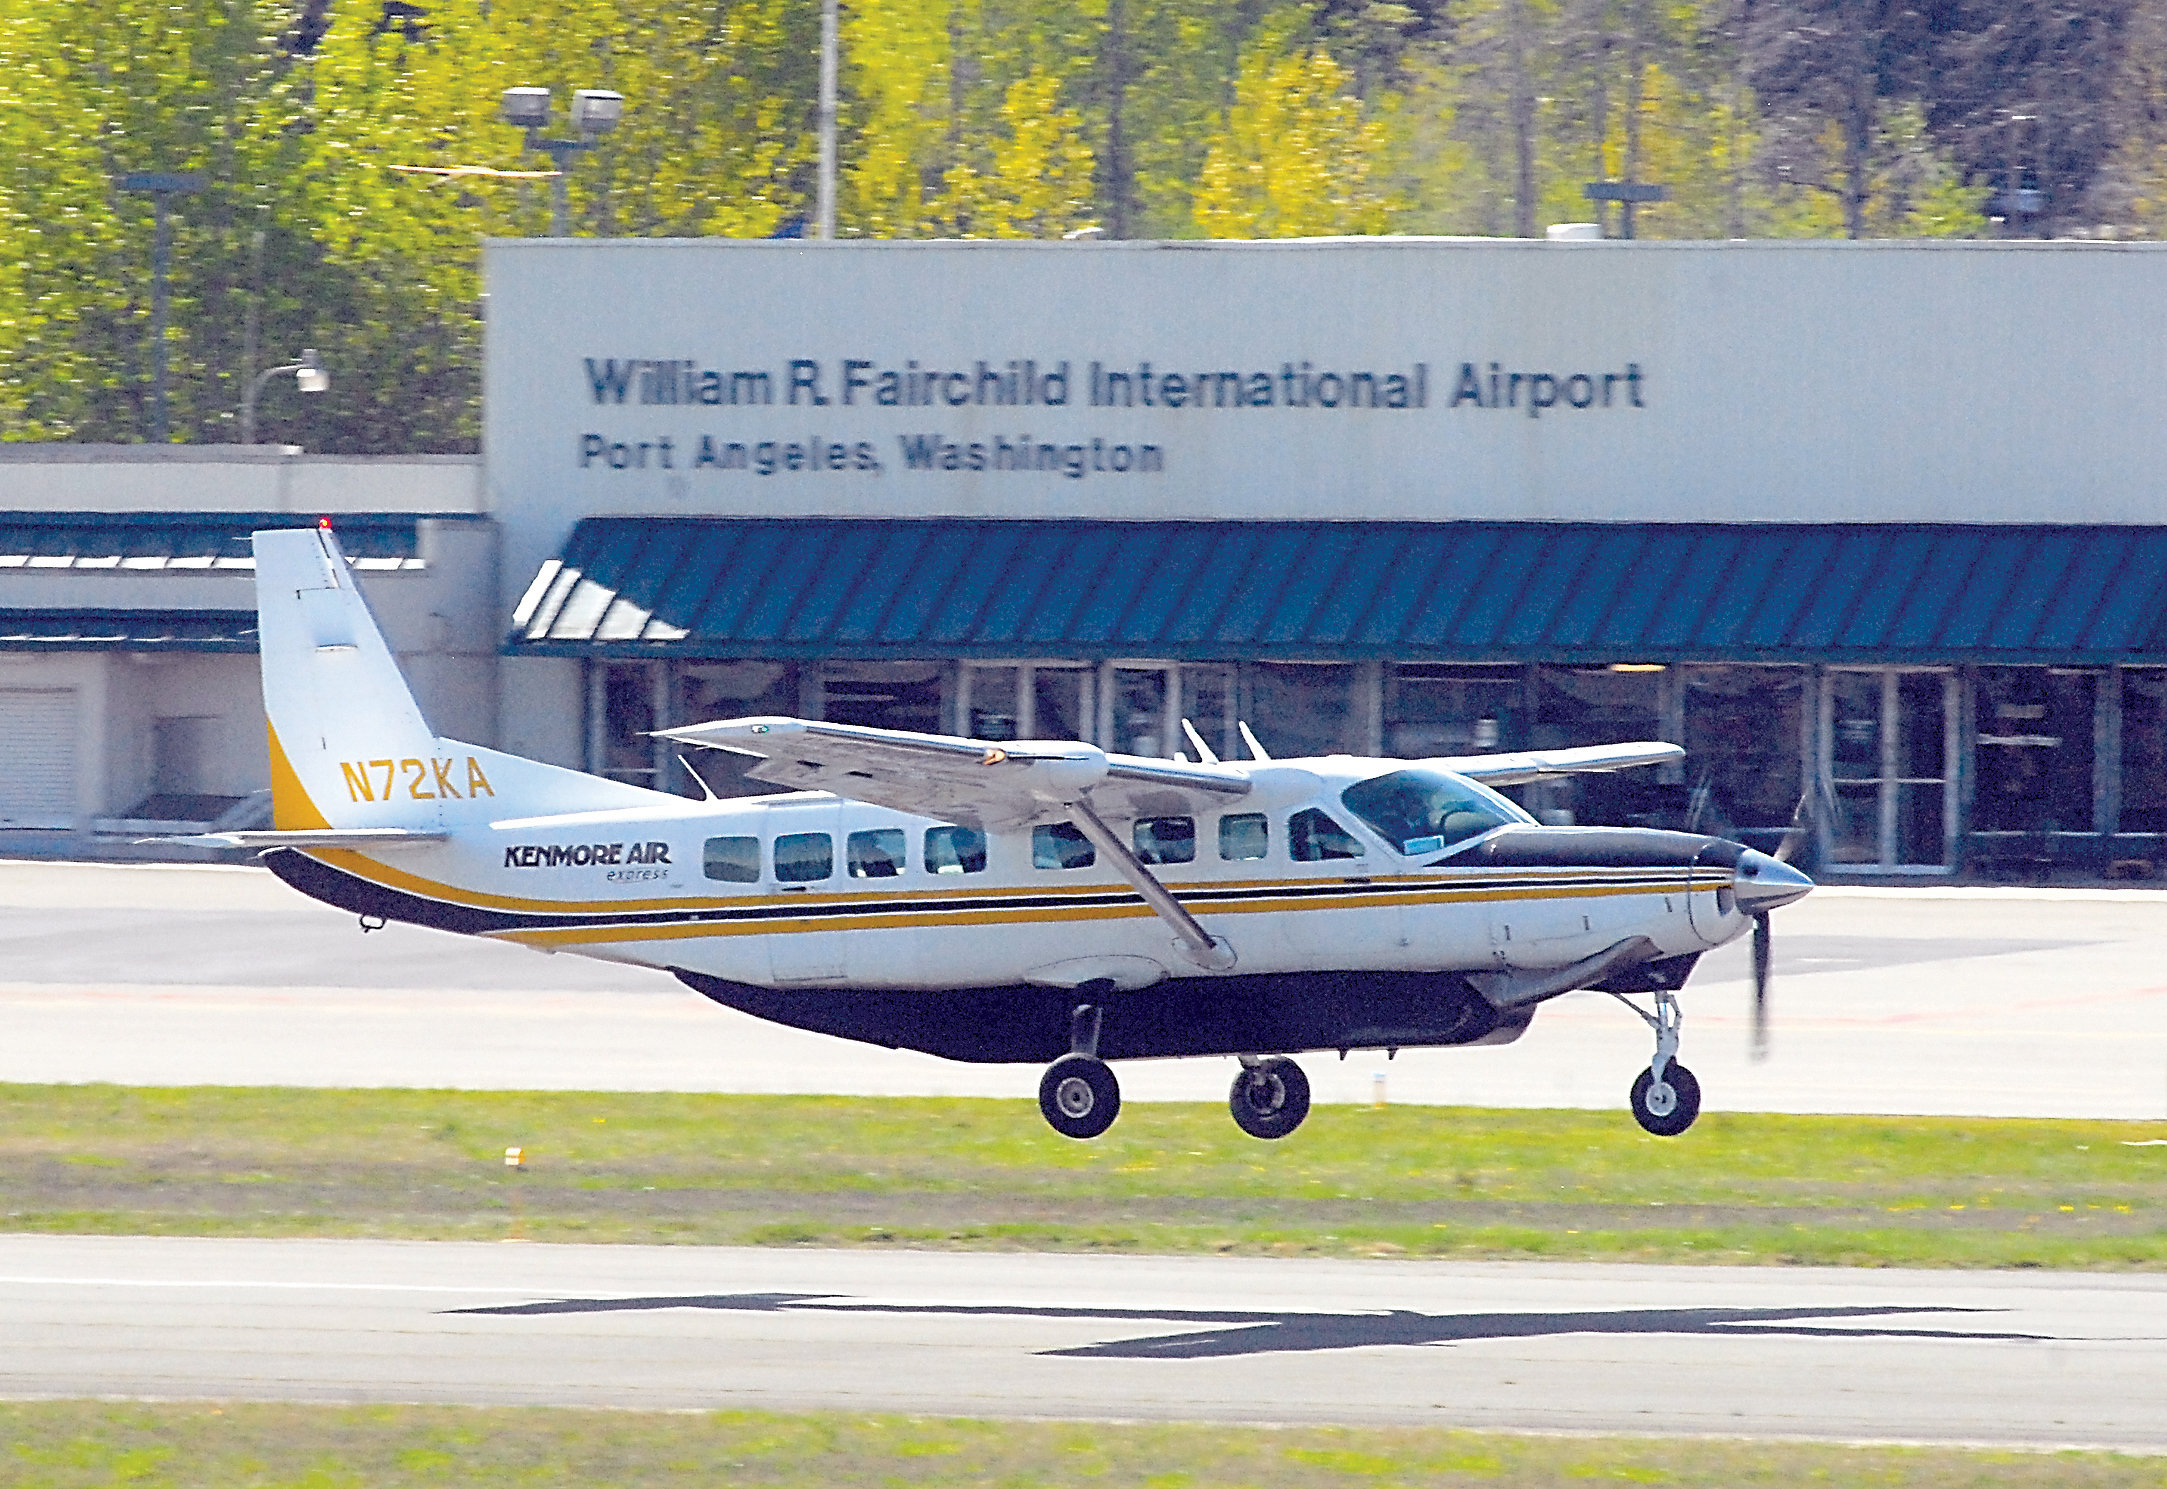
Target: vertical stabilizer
<point>331,690</point>
<point>349,747</point>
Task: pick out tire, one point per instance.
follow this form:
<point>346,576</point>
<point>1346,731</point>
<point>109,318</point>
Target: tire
<point>1685,1101</point>
<point>1079,1096</point>
<point>1271,1100</point>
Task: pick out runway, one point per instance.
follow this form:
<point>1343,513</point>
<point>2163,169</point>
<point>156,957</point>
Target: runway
<point>2034,1359</point>
<point>2009,1002</point>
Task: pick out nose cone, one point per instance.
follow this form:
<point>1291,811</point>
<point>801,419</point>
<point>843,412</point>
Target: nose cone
<point>1762,883</point>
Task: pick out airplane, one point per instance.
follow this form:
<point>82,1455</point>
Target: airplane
<point>1028,901</point>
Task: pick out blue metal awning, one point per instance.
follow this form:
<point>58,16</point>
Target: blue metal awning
<point>128,630</point>
<point>1445,591</point>
<point>190,542</point>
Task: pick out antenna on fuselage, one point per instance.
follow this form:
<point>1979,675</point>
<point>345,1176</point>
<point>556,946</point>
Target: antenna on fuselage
<point>1204,752</point>
<point>1256,751</point>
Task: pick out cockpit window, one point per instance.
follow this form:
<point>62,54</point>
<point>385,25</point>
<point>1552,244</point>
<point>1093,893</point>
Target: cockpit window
<point>1424,811</point>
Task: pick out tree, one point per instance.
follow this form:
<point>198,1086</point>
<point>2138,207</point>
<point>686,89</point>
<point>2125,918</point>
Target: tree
<point>1295,157</point>
<point>1822,69</point>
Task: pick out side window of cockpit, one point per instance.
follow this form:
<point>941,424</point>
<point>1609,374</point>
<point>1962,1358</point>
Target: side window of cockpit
<point>955,850</point>
<point>1313,837</point>
<point>1166,839</point>
<point>732,860</point>
<point>1061,845</point>
<point>877,854</point>
<point>802,857</point>
<point>1243,835</point>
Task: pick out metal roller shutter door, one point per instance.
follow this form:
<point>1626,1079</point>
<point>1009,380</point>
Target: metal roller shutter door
<point>37,743</point>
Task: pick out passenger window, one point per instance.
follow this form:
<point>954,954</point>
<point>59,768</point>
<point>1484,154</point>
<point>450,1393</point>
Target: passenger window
<point>877,854</point>
<point>1243,835</point>
<point>955,850</point>
<point>1061,845</point>
<point>1166,839</point>
<point>1313,837</point>
<point>801,857</point>
<point>732,860</point>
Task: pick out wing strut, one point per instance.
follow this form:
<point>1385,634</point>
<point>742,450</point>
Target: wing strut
<point>1196,942</point>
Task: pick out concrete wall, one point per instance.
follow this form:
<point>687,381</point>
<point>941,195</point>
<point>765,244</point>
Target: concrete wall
<point>231,478</point>
<point>1810,381</point>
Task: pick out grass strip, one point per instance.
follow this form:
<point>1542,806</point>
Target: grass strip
<point>66,1444</point>
<point>968,1173</point>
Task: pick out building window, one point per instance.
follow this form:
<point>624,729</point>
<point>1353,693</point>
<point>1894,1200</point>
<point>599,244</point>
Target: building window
<point>884,695</point>
<point>2144,750</point>
<point>1138,712</point>
<point>1743,742</point>
<point>1306,708</point>
<point>1602,705</point>
<point>621,715</point>
<point>1888,743</point>
<point>706,692</point>
<point>1438,709</point>
<point>2035,749</point>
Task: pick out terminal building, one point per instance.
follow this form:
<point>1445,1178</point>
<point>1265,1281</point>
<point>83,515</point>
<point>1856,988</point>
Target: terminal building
<point>1874,527</point>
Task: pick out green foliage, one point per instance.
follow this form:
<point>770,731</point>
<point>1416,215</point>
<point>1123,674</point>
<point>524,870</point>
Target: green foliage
<point>958,118</point>
<point>80,1444</point>
<point>1294,157</point>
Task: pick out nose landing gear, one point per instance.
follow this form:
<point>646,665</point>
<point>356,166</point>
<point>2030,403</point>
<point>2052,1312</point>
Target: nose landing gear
<point>1270,1096</point>
<point>1665,1097</point>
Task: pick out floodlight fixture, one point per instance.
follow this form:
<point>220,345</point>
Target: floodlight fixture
<point>308,375</point>
<point>526,108</point>
<point>597,110</point>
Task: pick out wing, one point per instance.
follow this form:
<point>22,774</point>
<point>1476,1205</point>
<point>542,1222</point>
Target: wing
<point>1546,765</point>
<point>991,786</point>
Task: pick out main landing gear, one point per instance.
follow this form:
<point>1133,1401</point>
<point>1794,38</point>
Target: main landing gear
<point>1079,1094</point>
<point>1666,1097</point>
<point>1270,1096</point>
<point>1080,1097</point>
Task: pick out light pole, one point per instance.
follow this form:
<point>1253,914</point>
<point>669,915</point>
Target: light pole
<point>595,111</point>
<point>160,185</point>
<point>308,373</point>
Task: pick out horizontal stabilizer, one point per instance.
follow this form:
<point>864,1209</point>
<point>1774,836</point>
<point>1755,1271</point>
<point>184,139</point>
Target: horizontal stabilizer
<point>1549,765</point>
<point>328,837</point>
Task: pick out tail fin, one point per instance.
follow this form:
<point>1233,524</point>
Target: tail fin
<point>349,746</point>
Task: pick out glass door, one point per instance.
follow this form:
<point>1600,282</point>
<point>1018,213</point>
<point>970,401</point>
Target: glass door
<point>1887,746</point>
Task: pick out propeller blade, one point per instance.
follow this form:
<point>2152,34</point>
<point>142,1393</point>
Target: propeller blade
<point>1794,836</point>
<point>1763,953</point>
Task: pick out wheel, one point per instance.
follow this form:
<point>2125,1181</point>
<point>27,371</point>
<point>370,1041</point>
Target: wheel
<point>1270,1100</point>
<point>1670,1108</point>
<point>1079,1096</point>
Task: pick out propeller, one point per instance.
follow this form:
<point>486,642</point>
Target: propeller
<point>1763,953</point>
<point>1764,941</point>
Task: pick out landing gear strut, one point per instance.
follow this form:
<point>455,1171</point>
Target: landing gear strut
<point>1270,1096</point>
<point>1666,1097</point>
<point>1079,1095</point>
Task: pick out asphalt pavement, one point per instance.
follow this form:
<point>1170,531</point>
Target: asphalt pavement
<point>2017,1002</point>
<point>2031,1359</point>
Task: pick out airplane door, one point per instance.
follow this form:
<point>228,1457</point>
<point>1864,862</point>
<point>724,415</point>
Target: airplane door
<point>805,863</point>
